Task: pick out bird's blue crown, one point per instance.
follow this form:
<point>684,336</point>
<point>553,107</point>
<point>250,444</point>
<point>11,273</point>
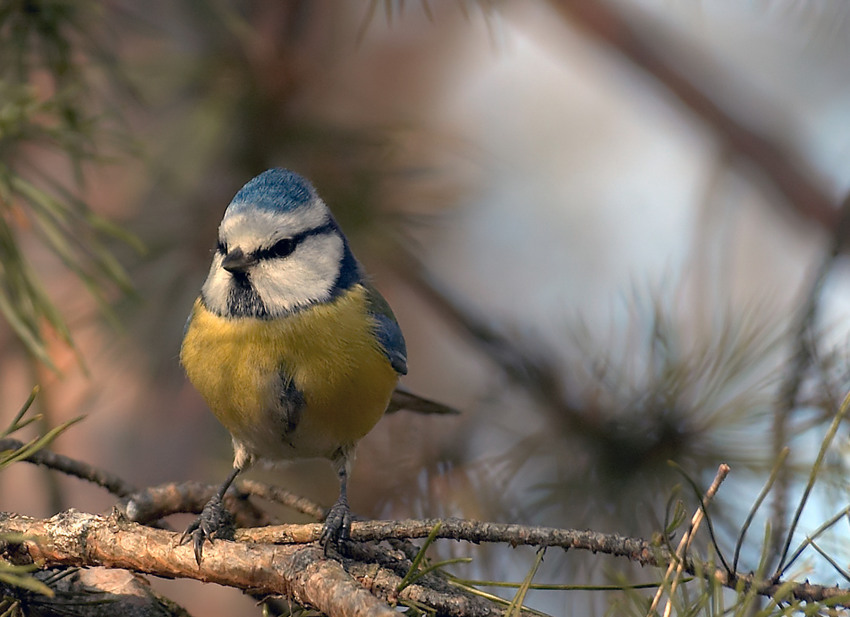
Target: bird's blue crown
<point>276,190</point>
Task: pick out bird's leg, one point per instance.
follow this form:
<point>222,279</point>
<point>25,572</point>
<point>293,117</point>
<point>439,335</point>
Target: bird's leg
<point>337,529</point>
<point>211,520</point>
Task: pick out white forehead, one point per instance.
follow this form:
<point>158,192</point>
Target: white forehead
<point>247,225</point>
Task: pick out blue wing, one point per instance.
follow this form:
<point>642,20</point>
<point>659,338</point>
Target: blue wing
<point>387,330</point>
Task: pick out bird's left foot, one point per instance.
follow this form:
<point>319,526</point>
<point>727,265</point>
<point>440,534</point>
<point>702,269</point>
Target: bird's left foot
<point>213,521</point>
<point>337,529</point>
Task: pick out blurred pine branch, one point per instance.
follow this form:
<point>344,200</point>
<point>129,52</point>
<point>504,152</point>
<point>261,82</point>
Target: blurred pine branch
<point>19,578</point>
<point>55,121</point>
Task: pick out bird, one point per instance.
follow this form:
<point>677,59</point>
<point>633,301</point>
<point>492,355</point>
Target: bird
<point>289,343</point>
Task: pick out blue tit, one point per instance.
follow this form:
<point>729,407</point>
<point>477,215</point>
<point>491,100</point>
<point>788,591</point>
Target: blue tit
<point>290,345</point>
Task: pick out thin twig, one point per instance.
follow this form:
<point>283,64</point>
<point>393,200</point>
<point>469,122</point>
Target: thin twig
<point>818,532</point>
<point>685,544</point>
<point>112,483</point>
<point>783,566</point>
<point>283,497</point>
<point>801,359</point>
<point>156,502</point>
<point>780,461</point>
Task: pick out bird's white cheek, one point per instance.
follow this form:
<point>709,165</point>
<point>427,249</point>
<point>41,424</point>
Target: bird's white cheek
<point>305,277</point>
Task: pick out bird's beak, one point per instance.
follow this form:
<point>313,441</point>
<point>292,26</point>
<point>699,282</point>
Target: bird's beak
<point>237,262</point>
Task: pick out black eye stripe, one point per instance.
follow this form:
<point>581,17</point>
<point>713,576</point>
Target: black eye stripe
<point>286,246</point>
<point>281,248</point>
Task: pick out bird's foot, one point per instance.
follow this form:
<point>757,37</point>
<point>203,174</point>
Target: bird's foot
<point>337,529</point>
<point>214,521</point>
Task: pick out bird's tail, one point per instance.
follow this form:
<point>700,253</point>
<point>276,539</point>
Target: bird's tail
<point>405,399</point>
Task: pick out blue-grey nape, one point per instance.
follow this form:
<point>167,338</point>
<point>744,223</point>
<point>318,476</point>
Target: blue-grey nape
<point>275,189</point>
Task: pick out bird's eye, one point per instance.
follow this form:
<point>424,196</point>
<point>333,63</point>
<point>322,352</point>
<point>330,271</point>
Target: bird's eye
<point>281,248</point>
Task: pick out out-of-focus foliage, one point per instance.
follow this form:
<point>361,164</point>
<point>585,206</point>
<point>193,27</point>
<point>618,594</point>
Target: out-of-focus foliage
<point>17,577</point>
<point>54,121</point>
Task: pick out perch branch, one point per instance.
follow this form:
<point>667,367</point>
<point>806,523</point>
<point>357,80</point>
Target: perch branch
<point>300,571</point>
<point>635,549</point>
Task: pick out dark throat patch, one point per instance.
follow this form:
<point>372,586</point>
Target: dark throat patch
<point>243,300</point>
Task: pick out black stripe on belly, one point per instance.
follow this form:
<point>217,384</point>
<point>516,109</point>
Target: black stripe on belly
<point>291,404</point>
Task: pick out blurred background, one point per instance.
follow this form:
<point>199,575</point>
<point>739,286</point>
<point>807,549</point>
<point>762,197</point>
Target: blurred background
<point>611,232</point>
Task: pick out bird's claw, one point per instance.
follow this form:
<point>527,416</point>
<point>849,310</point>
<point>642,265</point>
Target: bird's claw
<point>214,519</point>
<point>337,529</point>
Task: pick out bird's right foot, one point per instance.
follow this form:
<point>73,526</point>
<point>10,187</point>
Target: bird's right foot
<point>337,528</point>
<point>214,521</point>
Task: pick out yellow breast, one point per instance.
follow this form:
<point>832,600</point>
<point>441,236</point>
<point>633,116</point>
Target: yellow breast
<point>328,350</point>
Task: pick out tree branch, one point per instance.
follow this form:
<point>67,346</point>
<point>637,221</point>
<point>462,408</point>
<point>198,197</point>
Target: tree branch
<point>297,568</point>
<point>300,572</point>
<point>635,549</point>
